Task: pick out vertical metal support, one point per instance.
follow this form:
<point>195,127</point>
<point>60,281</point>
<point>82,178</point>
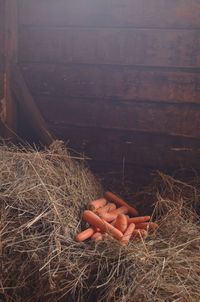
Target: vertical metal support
<point>11,57</point>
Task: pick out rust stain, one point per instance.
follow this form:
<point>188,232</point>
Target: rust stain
<point>3,110</point>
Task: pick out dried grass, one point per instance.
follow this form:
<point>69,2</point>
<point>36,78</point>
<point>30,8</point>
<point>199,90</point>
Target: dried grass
<point>42,195</point>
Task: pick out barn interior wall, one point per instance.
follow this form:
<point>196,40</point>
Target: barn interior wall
<point>118,80</point>
<point>1,48</point>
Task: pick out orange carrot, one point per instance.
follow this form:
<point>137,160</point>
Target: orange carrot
<point>96,204</point>
<point>139,233</point>
<point>113,215</point>
<point>139,219</point>
<point>121,210</point>
<point>108,217</point>
<point>112,197</point>
<point>108,208</point>
<point>113,222</point>
<point>85,234</point>
<point>96,221</point>
<point>97,236</point>
<point>93,219</point>
<point>105,236</point>
<point>110,229</point>
<point>121,223</point>
<point>127,235</point>
<point>147,226</point>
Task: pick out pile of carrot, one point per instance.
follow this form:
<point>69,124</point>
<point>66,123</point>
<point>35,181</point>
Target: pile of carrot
<point>111,215</point>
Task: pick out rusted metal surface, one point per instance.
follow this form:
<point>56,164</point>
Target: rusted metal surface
<point>10,48</point>
<point>125,83</point>
<point>143,47</point>
<point>155,118</point>
<point>2,41</point>
<point>122,77</point>
<point>113,13</point>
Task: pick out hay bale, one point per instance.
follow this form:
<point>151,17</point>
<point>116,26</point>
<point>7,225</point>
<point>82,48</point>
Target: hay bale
<point>42,196</point>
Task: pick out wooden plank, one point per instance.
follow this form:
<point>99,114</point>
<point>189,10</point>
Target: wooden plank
<point>137,13</point>
<point>127,147</point>
<point>171,119</point>
<point>170,48</point>
<point>109,82</point>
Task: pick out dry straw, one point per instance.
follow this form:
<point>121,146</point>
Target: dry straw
<point>42,196</point>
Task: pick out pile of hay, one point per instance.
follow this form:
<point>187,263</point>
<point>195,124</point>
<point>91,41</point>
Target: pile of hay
<point>42,196</point>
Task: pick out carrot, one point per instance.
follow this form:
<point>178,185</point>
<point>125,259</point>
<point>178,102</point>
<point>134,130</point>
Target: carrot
<point>121,210</point>
<point>113,215</point>
<point>139,219</point>
<point>108,208</point>
<point>112,197</point>
<point>108,217</point>
<point>127,235</point>
<point>93,219</point>
<point>96,204</point>
<point>85,234</point>
<point>113,222</point>
<point>105,236</point>
<point>104,226</point>
<point>121,223</point>
<point>147,226</point>
<point>139,233</point>
<point>110,229</point>
<point>97,236</point>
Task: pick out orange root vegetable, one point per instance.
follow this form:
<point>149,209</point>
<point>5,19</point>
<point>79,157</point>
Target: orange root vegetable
<point>139,233</point>
<point>96,204</point>
<point>121,210</point>
<point>93,219</point>
<point>96,221</point>
<point>97,236</point>
<point>108,217</point>
<point>121,223</point>
<point>139,219</point>
<point>85,234</point>
<point>107,208</point>
<point>113,215</point>
<point>127,235</point>
<point>113,222</point>
<point>105,236</point>
<point>110,229</point>
<point>120,202</point>
<point>152,226</point>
